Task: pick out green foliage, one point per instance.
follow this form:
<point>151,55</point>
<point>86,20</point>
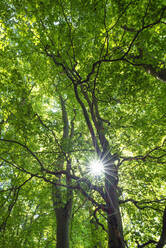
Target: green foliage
<point>47,48</point>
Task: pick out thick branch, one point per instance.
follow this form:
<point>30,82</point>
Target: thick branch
<point>86,116</point>
<point>65,119</point>
<point>97,220</point>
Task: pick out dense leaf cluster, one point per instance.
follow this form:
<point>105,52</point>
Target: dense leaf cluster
<point>81,79</point>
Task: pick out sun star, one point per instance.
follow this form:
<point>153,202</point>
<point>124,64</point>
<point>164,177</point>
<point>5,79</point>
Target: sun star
<point>96,167</point>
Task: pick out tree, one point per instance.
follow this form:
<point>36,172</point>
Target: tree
<point>63,209</point>
<point>96,55</point>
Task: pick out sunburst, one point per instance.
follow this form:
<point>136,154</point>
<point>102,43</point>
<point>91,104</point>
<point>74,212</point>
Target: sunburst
<point>96,167</point>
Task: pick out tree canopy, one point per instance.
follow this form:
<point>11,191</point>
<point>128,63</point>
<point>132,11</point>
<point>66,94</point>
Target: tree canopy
<point>81,81</point>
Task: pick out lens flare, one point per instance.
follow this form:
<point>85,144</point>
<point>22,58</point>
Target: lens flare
<point>96,167</point>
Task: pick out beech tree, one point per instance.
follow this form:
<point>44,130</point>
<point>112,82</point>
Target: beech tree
<point>83,81</point>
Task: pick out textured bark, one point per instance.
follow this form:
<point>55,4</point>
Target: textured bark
<point>63,207</point>
<point>115,228</point>
<point>63,215</point>
<point>62,200</point>
<point>114,223</point>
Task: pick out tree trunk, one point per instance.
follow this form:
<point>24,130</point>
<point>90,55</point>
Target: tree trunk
<point>63,225</point>
<point>63,217</point>
<point>115,229</point>
<point>114,223</point>
<point>62,199</point>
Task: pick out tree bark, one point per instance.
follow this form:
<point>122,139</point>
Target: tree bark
<point>62,200</point>
<point>115,229</point>
<point>63,215</point>
<point>63,208</point>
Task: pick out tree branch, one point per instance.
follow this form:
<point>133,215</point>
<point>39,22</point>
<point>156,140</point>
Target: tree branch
<point>26,147</point>
<point>86,116</point>
<point>138,203</point>
<point>11,205</point>
<point>145,244</point>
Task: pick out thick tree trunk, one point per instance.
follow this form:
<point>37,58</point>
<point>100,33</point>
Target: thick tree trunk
<point>115,229</point>
<point>63,225</point>
<point>63,217</point>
